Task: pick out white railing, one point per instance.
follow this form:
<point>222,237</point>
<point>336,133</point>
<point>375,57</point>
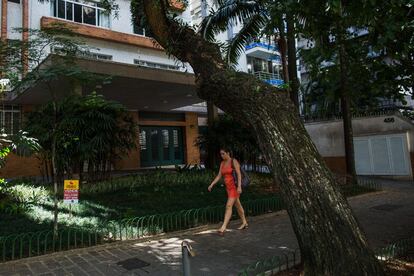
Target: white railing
<point>266,76</point>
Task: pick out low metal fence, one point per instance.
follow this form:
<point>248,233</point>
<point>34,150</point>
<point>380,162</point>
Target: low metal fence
<point>396,250</point>
<point>291,259</point>
<point>285,261</point>
<point>17,246</point>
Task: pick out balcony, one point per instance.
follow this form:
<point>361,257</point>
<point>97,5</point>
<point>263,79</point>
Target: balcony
<point>271,78</point>
<point>262,50</point>
<point>101,33</point>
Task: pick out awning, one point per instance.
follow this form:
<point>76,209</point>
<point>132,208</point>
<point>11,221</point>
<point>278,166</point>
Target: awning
<point>136,87</point>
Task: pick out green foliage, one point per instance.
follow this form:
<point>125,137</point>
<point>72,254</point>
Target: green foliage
<point>377,39</point>
<point>20,144</point>
<point>158,181</point>
<point>88,129</point>
<point>226,132</point>
<point>123,197</point>
<point>24,145</point>
<point>257,17</point>
<point>253,14</point>
<point>17,199</point>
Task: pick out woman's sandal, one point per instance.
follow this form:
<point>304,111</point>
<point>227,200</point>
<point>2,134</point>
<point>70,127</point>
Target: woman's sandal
<point>243,227</point>
<point>221,233</point>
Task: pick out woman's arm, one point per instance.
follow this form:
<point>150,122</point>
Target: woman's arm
<point>239,176</point>
<point>217,179</point>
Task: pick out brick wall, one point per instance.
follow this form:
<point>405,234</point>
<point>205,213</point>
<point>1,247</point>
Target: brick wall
<point>336,164</point>
<point>191,135</point>
<point>17,166</point>
<point>132,161</point>
<point>30,166</point>
<point>191,151</point>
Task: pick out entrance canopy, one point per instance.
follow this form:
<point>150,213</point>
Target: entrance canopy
<point>134,86</point>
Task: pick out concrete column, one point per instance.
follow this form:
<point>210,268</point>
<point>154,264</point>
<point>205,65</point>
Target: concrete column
<point>3,20</point>
<point>3,30</point>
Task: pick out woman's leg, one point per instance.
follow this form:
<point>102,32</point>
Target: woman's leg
<point>240,211</point>
<point>227,214</point>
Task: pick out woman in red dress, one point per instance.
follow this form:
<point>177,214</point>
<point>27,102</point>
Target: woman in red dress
<point>233,191</point>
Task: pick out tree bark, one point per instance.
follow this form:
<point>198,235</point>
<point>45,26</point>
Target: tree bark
<point>330,240</point>
<point>281,44</point>
<point>55,181</point>
<point>54,169</point>
<point>347,123</point>
<point>292,67</point>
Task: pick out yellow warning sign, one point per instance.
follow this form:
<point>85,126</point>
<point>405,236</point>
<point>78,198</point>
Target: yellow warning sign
<point>71,191</point>
<point>71,185</point>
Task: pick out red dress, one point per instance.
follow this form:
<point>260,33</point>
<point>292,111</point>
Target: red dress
<point>227,173</point>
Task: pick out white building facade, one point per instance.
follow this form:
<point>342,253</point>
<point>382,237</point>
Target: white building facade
<point>144,79</point>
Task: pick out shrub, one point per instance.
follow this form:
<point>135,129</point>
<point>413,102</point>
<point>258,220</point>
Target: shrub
<point>89,131</point>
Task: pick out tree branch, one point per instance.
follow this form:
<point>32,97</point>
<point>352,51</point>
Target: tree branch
<point>181,41</point>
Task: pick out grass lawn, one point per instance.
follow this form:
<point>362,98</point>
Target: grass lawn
<point>144,194</point>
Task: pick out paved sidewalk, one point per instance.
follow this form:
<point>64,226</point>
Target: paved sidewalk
<point>385,217</point>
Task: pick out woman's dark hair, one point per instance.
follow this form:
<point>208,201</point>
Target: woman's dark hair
<point>227,150</point>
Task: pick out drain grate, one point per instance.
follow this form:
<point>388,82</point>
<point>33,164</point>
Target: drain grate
<point>133,263</point>
<point>387,207</point>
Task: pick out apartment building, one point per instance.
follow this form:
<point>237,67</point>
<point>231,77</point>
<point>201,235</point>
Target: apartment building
<point>160,91</point>
<point>383,138</point>
<point>144,79</point>
<point>384,141</point>
<point>261,56</point>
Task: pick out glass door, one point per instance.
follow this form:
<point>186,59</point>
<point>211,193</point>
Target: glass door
<point>161,146</point>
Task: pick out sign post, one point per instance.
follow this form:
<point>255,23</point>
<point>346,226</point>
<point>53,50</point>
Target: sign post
<point>71,191</point>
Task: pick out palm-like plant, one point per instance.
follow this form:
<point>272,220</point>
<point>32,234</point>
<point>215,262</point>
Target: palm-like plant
<point>260,18</point>
<point>89,130</point>
<point>253,14</point>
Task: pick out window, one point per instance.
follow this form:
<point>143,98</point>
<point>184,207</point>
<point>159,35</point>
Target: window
<point>15,1</point>
<point>140,28</point>
<point>97,56</point>
<point>156,65</point>
<point>143,140</point>
<point>10,119</point>
<point>177,151</point>
<point>90,13</point>
<point>91,55</point>
<point>166,144</point>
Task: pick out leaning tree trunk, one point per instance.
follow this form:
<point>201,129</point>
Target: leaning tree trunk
<point>292,68</point>
<point>330,240</point>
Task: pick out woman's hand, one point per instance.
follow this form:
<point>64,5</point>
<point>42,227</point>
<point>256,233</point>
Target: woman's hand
<point>210,187</point>
<point>239,189</point>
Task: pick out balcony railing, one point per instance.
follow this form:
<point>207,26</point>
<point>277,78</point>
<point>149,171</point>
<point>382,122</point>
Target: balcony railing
<point>263,45</point>
<point>271,78</point>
